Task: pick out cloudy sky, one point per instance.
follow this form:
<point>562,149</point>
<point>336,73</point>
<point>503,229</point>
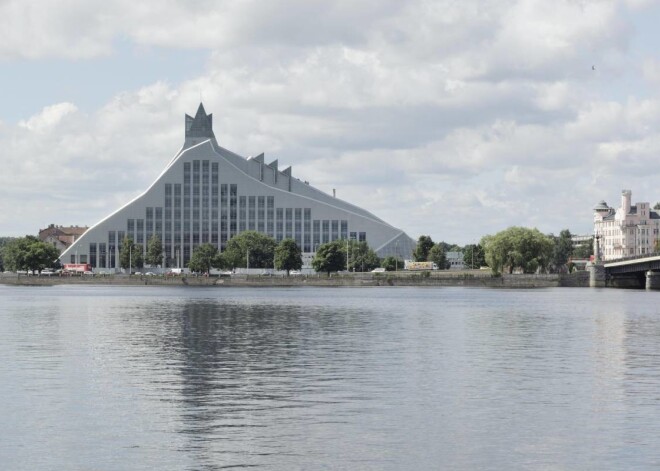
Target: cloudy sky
<point>453,118</point>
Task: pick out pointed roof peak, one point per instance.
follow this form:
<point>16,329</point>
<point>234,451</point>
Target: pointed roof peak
<point>200,110</point>
<point>201,126</point>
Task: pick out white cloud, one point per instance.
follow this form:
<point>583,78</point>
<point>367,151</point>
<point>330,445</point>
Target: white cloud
<point>49,117</point>
<point>449,118</point>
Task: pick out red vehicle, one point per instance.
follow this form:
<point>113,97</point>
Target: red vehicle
<point>77,267</point>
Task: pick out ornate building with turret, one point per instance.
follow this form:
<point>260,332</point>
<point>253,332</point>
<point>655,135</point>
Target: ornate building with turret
<point>207,194</point>
<point>626,231</point>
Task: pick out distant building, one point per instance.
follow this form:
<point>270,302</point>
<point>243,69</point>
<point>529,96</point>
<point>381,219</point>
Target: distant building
<point>455,260</point>
<point>62,237</point>
<point>626,231</point>
<point>581,239</point>
<point>208,194</point>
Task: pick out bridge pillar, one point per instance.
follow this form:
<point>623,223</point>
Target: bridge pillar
<point>652,280</point>
<point>596,275</point>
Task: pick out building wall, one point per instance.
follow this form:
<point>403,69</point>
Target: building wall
<point>626,231</point>
<point>208,194</point>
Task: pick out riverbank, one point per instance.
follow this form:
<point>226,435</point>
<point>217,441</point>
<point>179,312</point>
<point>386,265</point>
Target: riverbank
<point>443,278</point>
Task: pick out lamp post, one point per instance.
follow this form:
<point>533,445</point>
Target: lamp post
<point>130,259</point>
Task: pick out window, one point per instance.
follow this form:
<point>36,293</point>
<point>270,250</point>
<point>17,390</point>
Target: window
<point>288,225</point>
<point>316,239</point>
<point>92,255</point>
<point>326,231</point>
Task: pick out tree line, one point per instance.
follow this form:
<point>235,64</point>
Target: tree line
<point>512,250</point>
<point>516,249</point>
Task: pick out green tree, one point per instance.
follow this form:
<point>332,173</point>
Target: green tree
<point>473,256</point>
<point>518,248</point>
<point>438,255</point>
<point>288,256</point>
<point>361,257</point>
<point>391,263</point>
<point>204,257</point>
<point>656,206</point>
<point>449,247</point>
<point>584,250</point>
<point>3,242</point>
<point>130,254</point>
<point>330,257</point>
<point>259,247</point>
<point>562,250</point>
<point>154,255</point>
<point>421,252</point>
<point>29,253</point>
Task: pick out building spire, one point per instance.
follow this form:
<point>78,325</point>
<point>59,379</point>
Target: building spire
<point>201,126</point>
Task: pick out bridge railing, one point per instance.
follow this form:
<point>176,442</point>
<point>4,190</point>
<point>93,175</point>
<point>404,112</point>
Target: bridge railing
<point>633,257</point>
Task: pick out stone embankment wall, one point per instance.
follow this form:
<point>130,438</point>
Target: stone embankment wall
<point>577,279</point>
<point>474,278</point>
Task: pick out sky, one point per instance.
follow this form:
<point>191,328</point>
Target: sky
<point>448,118</point>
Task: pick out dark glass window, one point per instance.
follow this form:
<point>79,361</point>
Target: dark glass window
<point>307,242</point>
<point>298,226</point>
<point>316,240</point>
<point>242,205</point>
<point>139,232</point>
<point>102,255</point>
<point>288,223</point>
<point>251,212</point>
<point>205,172</point>
<point>326,231</point>
<point>214,173</point>
<point>279,224</point>
<point>92,255</point>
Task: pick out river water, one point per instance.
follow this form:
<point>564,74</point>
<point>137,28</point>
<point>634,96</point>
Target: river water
<point>146,378</point>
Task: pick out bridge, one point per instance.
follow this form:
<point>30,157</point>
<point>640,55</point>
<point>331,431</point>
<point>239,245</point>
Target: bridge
<point>634,272</point>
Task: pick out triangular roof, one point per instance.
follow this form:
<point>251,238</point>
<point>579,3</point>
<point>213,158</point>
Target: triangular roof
<point>201,126</point>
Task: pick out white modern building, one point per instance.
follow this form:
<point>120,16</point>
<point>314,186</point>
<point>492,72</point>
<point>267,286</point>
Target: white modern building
<point>207,194</point>
<point>626,231</point>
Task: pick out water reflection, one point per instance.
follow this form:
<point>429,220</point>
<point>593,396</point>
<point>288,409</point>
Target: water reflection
<point>151,378</point>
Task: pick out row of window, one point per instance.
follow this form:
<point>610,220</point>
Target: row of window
<point>102,255</point>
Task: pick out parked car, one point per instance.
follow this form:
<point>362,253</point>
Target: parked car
<point>150,273</point>
<point>295,273</point>
<point>89,273</point>
<point>378,270</point>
